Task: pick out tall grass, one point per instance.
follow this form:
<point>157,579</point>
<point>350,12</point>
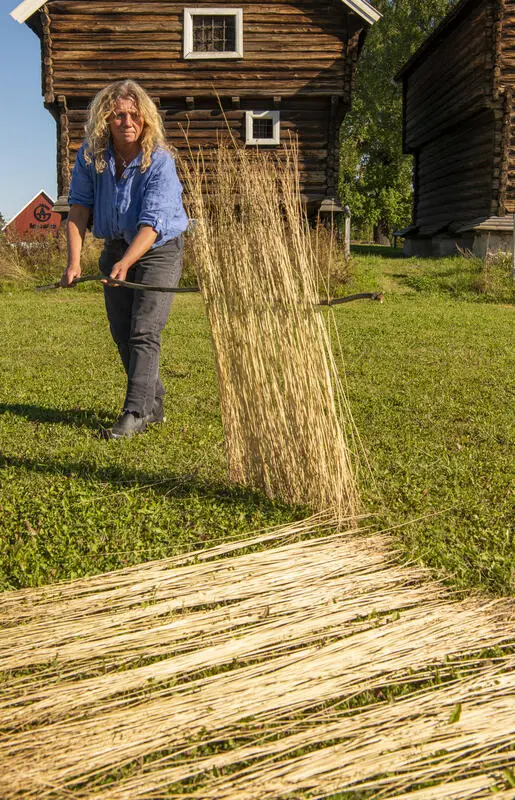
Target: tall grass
<point>12,266</point>
<point>495,280</point>
<point>42,260</point>
<point>333,268</point>
<point>279,390</point>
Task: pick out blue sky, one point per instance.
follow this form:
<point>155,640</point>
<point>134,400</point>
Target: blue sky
<point>27,132</point>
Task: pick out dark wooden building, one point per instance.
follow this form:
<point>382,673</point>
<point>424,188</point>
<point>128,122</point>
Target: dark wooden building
<point>459,126</point>
<point>276,68</point>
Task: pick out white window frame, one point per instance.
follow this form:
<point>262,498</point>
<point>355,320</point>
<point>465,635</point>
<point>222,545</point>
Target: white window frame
<point>189,13</point>
<point>250,116</point>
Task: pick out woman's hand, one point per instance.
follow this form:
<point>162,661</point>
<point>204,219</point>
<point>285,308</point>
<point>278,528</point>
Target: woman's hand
<point>141,243</point>
<point>69,275</point>
<point>119,271</point>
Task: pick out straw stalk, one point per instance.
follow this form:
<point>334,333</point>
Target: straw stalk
<point>287,426</point>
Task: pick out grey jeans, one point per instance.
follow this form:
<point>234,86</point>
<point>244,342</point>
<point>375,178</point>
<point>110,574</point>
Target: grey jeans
<point>137,317</point>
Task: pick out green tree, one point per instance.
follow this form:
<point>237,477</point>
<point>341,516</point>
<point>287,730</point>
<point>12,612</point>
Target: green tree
<point>375,176</point>
<point>2,220</point>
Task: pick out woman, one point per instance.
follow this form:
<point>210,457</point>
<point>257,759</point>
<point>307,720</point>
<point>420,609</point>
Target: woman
<point>125,176</point>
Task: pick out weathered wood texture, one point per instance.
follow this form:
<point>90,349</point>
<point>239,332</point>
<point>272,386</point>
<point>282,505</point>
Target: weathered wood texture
<point>507,70</point>
<point>458,118</point>
<point>454,176</point>
<point>454,81</point>
<point>298,58</point>
<point>288,48</point>
<point>205,126</point>
<point>63,146</point>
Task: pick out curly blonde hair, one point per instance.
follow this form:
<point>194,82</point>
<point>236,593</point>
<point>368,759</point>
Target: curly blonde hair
<point>97,125</point>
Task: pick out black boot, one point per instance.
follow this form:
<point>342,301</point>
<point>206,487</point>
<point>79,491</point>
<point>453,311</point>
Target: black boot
<point>157,414</point>
<point>127,425</point>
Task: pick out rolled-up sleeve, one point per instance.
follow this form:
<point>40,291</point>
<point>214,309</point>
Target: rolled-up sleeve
<point>81,185</point>
<point>162,202</point>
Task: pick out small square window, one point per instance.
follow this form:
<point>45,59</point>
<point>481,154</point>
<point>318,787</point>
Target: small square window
<point>262,127</point>
<point>213,33</point>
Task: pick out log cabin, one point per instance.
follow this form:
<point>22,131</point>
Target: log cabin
<point>459,126</point>
<point>256,71</point>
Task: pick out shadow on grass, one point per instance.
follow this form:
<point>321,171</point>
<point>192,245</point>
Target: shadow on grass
<point>178,486</point>
<point>377,250</point>
<point>74,417</point>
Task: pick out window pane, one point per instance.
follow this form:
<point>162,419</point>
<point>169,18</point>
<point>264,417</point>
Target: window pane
<point>214,34</point>
<point>263,128</point>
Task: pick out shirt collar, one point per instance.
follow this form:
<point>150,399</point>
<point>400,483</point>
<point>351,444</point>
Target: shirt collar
<point>136,162</point>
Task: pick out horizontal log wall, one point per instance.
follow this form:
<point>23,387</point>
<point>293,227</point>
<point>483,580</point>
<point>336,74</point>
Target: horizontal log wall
<point>298,58</point>
<point>289,48</point>
<point>207,124</point>
<point>510,178</point>
<point>459,118</point>
<point>508,81</point>
<point>454,176</point>
<point>455,79</point>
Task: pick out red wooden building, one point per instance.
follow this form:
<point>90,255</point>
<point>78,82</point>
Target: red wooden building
<point>34,221</point>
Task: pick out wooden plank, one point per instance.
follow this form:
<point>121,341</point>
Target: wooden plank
<point>302,53</point>
<point>453,81</point>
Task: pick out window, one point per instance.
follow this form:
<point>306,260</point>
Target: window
<point>262,127</point>
<point>213,33</point>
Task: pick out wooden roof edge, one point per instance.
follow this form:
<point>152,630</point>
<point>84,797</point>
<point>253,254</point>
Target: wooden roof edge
<point>363,8</point>
<point>448,22</point>
<point>493,223</point>
<point>407,231</point>
<point>41,191</point>
<point>26,9</point>
<point>428,231</point>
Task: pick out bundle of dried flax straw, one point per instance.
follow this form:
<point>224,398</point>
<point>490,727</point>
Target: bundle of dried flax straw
<point>279,390</point>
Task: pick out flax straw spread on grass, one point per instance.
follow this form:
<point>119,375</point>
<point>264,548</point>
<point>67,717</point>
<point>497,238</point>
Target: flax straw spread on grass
<point>259,675</point>
<point>315,666</point>
<point>279,390</point>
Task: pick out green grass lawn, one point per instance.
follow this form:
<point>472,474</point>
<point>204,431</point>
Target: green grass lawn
<point>430,380</point>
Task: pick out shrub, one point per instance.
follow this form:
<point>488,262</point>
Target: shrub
<point>333,268</point>
<point>495,279</point>
<point>42,260</point>
<point>12,267</point>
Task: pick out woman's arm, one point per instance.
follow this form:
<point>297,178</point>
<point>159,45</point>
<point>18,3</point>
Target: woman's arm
<point>75,232</point>
<point>142,242</point>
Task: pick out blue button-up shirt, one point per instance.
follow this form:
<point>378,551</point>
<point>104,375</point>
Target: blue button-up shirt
<point>153,197</point>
